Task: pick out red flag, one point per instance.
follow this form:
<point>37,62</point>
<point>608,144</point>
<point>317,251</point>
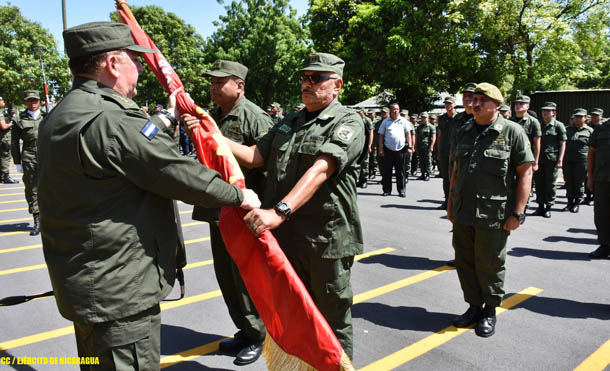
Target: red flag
<point>293,321</point>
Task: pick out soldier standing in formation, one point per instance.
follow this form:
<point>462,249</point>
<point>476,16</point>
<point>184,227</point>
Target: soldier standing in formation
<point>597,117</point>
<point>364,165</point>
<point>575,164</point>
<point>6,122</point>
<point>445,130</point>
<point>372,115</point>
<point>25,128</point>
<point>598,169</point>
<point>425,137</point>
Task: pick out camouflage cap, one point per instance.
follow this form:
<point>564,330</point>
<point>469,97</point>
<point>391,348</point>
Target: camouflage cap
<point>522,99</point>
<point>413,116</point>
<point>224,68</point>
<point>549,106</point>
<point>597,111</point>
<point>31,94</point>
<point>404,112</point>
<point>99,37</point>
<point>580,112</point>
<point>300,105</point>
<point>385,109</point>
<point>469,87</point>
<point>504,107</point>
<point>324,62</point>
<point>491,91</point>
<point>276,105</point>
<point>449,100</point>
<point>423,114</point>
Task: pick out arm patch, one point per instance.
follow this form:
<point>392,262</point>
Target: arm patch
<point>149,130</point>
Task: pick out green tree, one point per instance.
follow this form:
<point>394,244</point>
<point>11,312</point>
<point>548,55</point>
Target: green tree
<point>22,44</point>
<point>268,38</point>
<point>181,45</point>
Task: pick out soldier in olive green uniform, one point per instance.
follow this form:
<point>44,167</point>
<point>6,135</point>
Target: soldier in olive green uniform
<point>312,160</point>
<point>371,114</point>
<point>597,115</point>
<point>108,174</point>
<point>243,122</point>
<point>364,165</point>
<point>443,137</point>
<point>274,110</point>
<point>490,185</point>
<point>25,128</point>
<point>425,137</point>
<point>552,149</point>
<point>6,122</point>
<point>575,164</point>
<point>385,113</point>
<point>598,168</point>
<point>460,119</point>
<point>414,163</point>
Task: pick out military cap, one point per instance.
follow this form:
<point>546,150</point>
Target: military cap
<point>580,112</point>
<point>301,105</point>
<point>99,37</point>
<point>449,100</point>
<point>469,87</point>
<point>424,114</point>
<point>597,111</point>
<point>522,99</point>
<point>491,91</point>
<point>28,94</point>
<point>385,109</point>
<point>324,62</point>
<point>404,112</point>
<point>413,116</point>
<point>504,107</point>
<point>224,68</point>
<point>549,106</point>
<point>276,105</point>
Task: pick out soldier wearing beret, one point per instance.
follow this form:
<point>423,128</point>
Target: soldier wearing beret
<point>490,184</point>
<point>552,150</point>
<point>6,122</point>
<point>312,160</point>
<point>598,168</point>
<point>575,164</point>
<point>425,137</point>
<point>25,128</point>
<point>108,174</point>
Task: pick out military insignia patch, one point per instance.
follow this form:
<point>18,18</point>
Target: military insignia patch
<point>285,129</point>
<point>344,133</point>
<point>149,130</point>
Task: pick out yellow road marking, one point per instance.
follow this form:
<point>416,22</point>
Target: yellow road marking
<point>198,264</point>
<point>12,201</point>
<point>13,249</point>
<point>16,187</point>
<point>13,233</point>
<point>10,194</point>
<point>14,220</point>
<point>188,242</point>
<point>190,354</point>
<point>192,224</point>
<point>437,339</point>
<point>22,269</point>
<point>599,360</point>
<point>9,210</point>
<point>373,253</point>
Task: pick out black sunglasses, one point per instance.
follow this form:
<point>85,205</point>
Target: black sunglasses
<point>315,79</point>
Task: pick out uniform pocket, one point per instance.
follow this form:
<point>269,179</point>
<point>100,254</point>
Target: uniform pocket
<point>491,208</point>
<point>495,161</point>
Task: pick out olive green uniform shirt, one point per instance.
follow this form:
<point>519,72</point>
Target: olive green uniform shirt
<point>445,127</point>
<point>531,125</point>
<point>553,134</point>
<point>328,225</point>
<point>25,127</point>
<point>424,133</point>
<point>600,140</point>
<point>577,146</point>
<point>486,179</point>
<point>108,175</point>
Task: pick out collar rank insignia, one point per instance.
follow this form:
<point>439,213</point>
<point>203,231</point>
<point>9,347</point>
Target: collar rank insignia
<point>149,130</point>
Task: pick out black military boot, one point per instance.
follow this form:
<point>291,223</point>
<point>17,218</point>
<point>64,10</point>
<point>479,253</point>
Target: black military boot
<point>427,177</point>
<point>575,208</point>
<point>36,229</point>
<point>603,251</point>
<point>569,205</point>
<point>547,211</point>
<point>540,210</point>
<point>8,180</point>
<point>487,325</point>
<point>472,315</point>
<point>588,200</point>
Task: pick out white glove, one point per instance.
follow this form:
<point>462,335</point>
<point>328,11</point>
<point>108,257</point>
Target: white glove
<point>20,169</point>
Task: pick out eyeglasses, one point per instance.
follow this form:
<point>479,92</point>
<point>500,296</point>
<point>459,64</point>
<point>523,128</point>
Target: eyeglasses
<point>315,79</point>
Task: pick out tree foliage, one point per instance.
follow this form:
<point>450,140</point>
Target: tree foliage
<point>22,44</point>
<point>268,38</point>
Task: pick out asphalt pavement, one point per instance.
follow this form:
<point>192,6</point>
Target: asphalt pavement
<point>556,313</point>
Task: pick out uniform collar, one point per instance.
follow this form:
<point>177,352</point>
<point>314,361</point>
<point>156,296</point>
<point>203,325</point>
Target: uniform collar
<point>237,108</point>
<point>327,113</point>
<point>97,87</point>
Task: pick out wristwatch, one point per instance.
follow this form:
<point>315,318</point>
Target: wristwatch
<point>283,209</point>
<point>519,216</point>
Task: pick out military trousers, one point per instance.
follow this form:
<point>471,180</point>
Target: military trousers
<point>407,164</point>
<point>373,161</point>
<point>575,175</point>
<point>379,163</point>
<point>601,212</point>
<point>131,343</point>
<point>414,162</point>
<point>480,257</point>
<point>393,161</point>
<point>443,167</point>
<point>546,178</point>
<point>364,169</point>
<point>425,160</point>
<point>328,281</point>
<point>30,181</point>
<point>5,152</point>
<point>234,292</point>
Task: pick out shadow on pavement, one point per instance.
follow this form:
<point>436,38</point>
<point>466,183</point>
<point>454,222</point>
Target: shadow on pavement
<point>4,353</point>
<point>192,365</point>
<point>404,262</point>
<point>548,254</point>
<point>411,207</point>
<point>175,339</point>
<point>580,230</point>
<point>589,241</point>
<point>402,318</point>
<point>431,201</point>
<point>565,308</point>
<point>19,227</point>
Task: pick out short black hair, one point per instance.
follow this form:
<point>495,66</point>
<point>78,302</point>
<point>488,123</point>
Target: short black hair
<point>88,64</point>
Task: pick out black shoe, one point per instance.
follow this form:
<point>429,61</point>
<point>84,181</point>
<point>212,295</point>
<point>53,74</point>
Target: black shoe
<point>587,201</point>
<point>421,177</point>
<point>8,180</point>
<point>574,208</point>
<point>547,212</point>
<point>443,206</point>
<point>402,194</point>
<point>406,179</point>
<point>364,185</point>
<point>451,263</point>
<point>234,344</point>
<point>487,325</point>
<point>36,229</point>
<point>249,354</point>
<point>602,252</point>
<point>386,194</point>
<point>568,207</point>
<point>472,315</point>
<point>539,211</point>
<point>427,177</point>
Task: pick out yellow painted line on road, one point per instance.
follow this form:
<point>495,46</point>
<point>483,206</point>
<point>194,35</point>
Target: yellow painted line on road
<point>13,249</point>
<point>188,242</point>
<point>406,354</point>
<point>198,264</point>
<point>13,233</point>
<point>192,224</point>
<point>12,201</point>
<point>373,253</point>
<point>16,187</point>
<point>190,354</point>
<point>11,194</point>
<point>22,269</point>
<point>598,361</point>
<point>15,220</point>
<point>9,210</point>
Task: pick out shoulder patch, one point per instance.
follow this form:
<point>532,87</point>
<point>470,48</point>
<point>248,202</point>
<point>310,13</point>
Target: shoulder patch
<point>285,129</point>
<point>149,130</point>
<point>344,132</point>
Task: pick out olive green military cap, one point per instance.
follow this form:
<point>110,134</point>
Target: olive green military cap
<point>385,109</point>
<point>276,105</point>
<point>469,87</point>
<point>549,106</point>
<point>504,107</point>
<point>324,62</point>
<point>404,112</point>
<point>449,100</point>
<point>424,114</point>
<point>522,99</point>
<point>597,111</point>
<point>491,91</point>
<point>580,112</point>
<point>301,105</point>
<point>224,68</point>
<point>413,116</point>
<point>99,37</point>
<point>31,94</point>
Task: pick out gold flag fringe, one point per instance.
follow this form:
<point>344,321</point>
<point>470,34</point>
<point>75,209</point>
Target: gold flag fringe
<point>278,360</point>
